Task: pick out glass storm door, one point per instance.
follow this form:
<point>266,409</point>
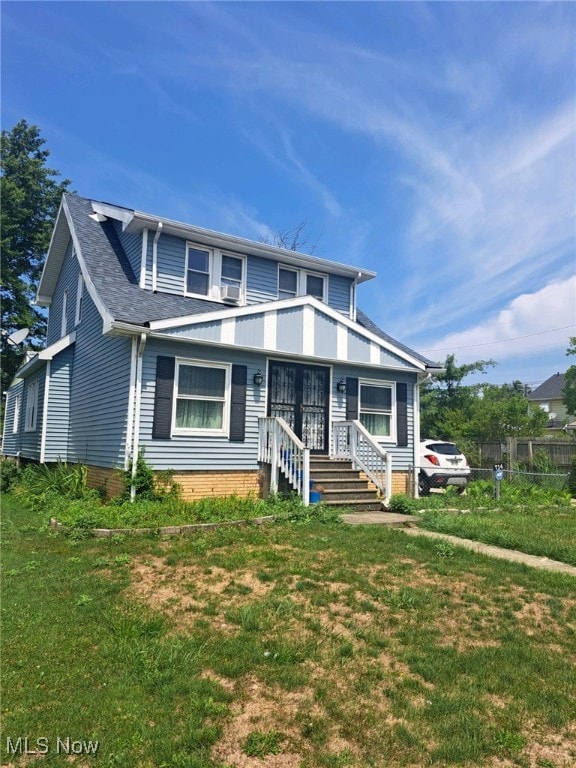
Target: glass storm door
<point>299,395</point>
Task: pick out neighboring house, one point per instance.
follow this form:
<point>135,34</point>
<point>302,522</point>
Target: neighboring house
<point>227,361</point>
<point>549,396</point>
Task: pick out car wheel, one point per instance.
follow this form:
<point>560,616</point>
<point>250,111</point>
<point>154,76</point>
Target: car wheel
<point>423,485</point>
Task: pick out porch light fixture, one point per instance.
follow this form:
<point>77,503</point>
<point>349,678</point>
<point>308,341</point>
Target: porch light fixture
<point>341,386</point>
<point>258,378</point>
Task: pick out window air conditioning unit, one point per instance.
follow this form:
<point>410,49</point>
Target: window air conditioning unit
<point>230,293</point>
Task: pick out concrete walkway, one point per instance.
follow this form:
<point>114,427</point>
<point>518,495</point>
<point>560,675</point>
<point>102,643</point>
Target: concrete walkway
<point>409,524</point>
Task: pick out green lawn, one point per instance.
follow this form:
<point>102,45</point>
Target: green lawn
<point>546,531</point>
<point>279,646</point>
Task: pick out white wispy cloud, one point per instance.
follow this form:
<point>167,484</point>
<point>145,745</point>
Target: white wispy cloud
<point>531,322</point>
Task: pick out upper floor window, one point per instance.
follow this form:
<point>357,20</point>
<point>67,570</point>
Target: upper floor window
<point>64,313</point>
<point>376,403</point>
<point>293,282</point>
<point>31,407</point>
<point>315,286</point>
<point>79,300</point>
<point>198,264</point>
<point>287,283</point>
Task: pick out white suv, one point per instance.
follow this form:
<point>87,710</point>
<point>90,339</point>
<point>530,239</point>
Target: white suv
<point>441,464</point>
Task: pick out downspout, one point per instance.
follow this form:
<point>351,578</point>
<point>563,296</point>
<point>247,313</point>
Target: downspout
<point>353,296</point>
<point>144,258</point>
<point>137,398</point>
<point>416,458</point>
<point>155,256</point>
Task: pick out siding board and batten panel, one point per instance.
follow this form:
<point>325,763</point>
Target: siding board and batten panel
<point>358,348</point>
<point>290,330</point>
<point>249,331</point>
<point>325,336</point>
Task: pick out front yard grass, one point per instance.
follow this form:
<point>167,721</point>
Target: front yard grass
<point>280,646</point>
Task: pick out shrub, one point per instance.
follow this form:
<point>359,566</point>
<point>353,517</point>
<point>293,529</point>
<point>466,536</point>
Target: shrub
<point>401,504</point>
<point>147,484</point>
<point>572,478</point>
<point>11,474</point>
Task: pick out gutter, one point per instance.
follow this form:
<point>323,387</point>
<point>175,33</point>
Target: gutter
<point>137,399</point>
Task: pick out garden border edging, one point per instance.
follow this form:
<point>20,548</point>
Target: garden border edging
<point>167,530</point>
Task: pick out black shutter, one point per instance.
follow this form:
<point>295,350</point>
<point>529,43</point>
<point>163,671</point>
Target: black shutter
<point>351,399</point>
<point>402,414</point>
<point>238,403</point>
<point>162,425</point>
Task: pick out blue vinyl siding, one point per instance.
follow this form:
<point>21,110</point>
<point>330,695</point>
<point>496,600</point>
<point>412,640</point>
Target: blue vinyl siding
<point>11,441</point>
<point>403,457</point>
<point>290,330</point>
<point>339,293</point>
<point>171,262</point>
<point>325,336</point>
<point>67,280</point>
<point>58,420</point>
<point>99,393</point>
<point>358,348</point>
<point>249,331</point>
<point>132,245</point>
<point>261,280</point>
<point>185,452</point>
<point>30,442</point>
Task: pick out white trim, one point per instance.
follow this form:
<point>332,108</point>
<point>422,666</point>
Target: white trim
<point>270,330</point>
<point>90,287</point>
<point>30,423</point>
<point>125,215</point>
<point>228,330</point>
<point>64,318</point>
<point>17,410</point>
<point>274,306</point>
<point>224,431</point>
<point>138,399</point>
<point>416,437</point>
<point>45,414</point>
<point>392,437</point>
<point>155,256</point>
<point>79,299</point>
<point>131,398</point>
<point>308,323</point>
<point>143,258</point>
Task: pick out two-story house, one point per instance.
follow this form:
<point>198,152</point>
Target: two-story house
<point>230,362</point>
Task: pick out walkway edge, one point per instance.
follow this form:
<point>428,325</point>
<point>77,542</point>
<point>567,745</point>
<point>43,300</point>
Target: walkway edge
<point>535,561</point>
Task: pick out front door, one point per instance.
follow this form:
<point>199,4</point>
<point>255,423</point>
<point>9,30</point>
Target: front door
<point>299,394</point>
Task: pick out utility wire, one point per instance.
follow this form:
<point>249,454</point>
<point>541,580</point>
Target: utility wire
<point>501,341</point>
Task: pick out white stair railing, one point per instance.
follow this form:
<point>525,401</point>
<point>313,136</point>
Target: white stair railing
<point>352,441</point>
<point>286,453</point>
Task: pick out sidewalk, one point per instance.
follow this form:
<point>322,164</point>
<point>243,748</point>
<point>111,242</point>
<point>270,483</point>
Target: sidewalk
<point>408,523</point>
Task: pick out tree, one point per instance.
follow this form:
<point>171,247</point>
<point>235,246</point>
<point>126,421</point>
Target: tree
<point>31,194</point>
<point>295,239</point>
<point>445,402</point>
<point>569,398</point>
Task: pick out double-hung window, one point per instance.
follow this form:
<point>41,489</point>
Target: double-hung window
<point>198,267</point>
<point>376,408</point>
<point>292,283</point>
<point>31,407</point>
<point>202,401</point>
<point>232,274</point>
<point>79,300</point>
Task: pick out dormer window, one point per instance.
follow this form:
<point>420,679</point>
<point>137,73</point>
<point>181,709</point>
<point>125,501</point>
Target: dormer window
<point>232,270</point>
<point>315,286</point>
<point>294,282</point>
<point>287,283</point>
<point>198,271</point>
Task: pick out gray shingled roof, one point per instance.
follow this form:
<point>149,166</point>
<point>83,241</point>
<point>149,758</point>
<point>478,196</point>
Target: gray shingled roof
<point>551,389</point>
<point>118,288</point>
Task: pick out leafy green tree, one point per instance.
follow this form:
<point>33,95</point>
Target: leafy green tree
<point>570,381</point>
<point>503,411</point>
<point>31,194</point>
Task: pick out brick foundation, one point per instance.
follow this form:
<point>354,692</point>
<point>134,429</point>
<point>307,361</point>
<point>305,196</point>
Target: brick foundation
<point>108,479</point>
<point>198,484</point>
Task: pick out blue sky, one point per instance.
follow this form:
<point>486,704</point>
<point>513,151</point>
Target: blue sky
<point>434,143</point>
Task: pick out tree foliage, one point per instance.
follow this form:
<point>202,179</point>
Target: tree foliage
<point>31,194</point>
<point>295,239</point>
<point>451,410</point>
<point>569,398</point>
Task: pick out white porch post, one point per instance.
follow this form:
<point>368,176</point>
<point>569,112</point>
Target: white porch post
<point>306,477</point>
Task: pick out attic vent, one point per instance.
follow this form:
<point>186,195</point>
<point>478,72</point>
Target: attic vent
<point>99,217</point>
<point>230,293</point>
